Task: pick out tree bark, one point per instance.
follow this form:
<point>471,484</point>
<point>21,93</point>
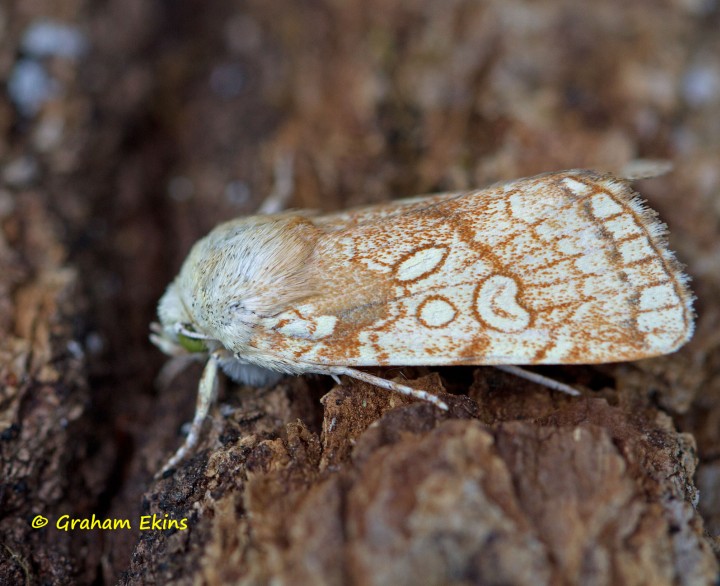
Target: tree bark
<point>172,121</point>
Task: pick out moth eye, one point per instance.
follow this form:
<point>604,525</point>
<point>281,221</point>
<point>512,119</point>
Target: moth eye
<point>191,344</point>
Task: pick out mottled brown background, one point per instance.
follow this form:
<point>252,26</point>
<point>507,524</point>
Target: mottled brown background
<point>172,121</point>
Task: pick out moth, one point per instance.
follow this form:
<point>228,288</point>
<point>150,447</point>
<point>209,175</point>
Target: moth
<point>561,268</point>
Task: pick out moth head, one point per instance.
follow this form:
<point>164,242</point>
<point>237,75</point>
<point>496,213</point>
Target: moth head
<point>176,334</point>
<point>242,272</point>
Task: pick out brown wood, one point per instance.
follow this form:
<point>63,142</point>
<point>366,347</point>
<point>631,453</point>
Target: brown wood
<point>172,122</point>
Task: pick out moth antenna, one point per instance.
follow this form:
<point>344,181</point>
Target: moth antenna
<point>207,391</point>
<point>283,187</point>
<point>534,377</point>
<point>387,384</point>
<point>645,169</point>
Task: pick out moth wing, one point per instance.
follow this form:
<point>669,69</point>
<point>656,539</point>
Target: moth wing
<point>560,268</point>
<point>382,212</point>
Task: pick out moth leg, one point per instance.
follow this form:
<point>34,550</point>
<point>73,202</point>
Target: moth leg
<point>386,384</point>
<point>283,187</point>
<point>207,392</point>
<point>172,368</point>
<point>539,379</point>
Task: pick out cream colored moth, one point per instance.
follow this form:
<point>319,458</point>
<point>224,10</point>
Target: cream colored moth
<point>561,268</point>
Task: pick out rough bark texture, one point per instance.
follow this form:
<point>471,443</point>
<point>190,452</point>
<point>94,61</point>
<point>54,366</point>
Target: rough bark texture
<point>170,122</point>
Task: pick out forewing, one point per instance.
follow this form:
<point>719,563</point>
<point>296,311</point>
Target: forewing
<point>559,268</point>
<point>382,212</point>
